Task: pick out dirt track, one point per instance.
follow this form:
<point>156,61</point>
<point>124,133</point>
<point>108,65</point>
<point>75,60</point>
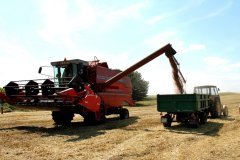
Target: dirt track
<point>31,135</point>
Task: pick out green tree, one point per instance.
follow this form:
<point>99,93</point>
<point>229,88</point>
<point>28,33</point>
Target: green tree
<point>6,107</point>
<point>1,89</point>
<point>139,86</point>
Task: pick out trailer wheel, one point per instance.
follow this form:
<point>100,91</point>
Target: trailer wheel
<point>194,120</point>
<point>167,123</point>
<point>225,110</point>
<point>62,118</point>
<point>203,118</point>
<point>124,113</point>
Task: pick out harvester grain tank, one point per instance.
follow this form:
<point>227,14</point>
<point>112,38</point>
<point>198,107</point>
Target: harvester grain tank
<point>90,89</point>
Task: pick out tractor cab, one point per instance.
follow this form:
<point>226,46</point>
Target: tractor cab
<point>209,90</point>
<point>216,108</point>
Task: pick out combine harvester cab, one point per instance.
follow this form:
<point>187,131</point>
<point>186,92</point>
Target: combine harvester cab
<point>90,89</point>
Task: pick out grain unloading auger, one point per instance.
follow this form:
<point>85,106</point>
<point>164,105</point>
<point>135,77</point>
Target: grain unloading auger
<point>90,89</point>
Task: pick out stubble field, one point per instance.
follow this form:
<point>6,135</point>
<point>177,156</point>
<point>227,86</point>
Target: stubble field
<point>32,135</point>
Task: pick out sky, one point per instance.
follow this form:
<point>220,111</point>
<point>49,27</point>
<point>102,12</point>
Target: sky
<point>204,33</point>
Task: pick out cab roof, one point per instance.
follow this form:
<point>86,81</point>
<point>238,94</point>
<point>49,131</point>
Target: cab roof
<point>66,62</point>
<point>206,86</point>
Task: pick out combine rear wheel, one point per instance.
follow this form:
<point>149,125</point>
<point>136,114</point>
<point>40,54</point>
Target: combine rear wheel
<point>62,118</point>
<point>124,113</point>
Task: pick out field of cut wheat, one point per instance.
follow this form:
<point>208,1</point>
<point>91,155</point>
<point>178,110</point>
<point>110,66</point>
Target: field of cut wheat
<point>32,135</point>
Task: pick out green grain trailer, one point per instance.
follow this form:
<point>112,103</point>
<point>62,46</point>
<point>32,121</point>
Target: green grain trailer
<point>191,109</point>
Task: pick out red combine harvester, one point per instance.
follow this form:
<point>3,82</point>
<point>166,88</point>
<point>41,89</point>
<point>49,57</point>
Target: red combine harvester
<point>90,89</point>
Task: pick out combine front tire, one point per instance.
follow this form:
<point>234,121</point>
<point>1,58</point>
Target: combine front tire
<point>124,113</point>
<point>62,118</point>
<point>90,119</point>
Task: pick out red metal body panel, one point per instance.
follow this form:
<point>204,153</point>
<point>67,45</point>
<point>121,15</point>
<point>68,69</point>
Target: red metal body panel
<point>91,100</point>
<point>118,93</point>
<point>113,99</point>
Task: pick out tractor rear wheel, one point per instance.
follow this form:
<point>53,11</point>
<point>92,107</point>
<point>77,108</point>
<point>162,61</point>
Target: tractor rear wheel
<point>215,110</point>
<point>124,113</point>
<point>225,110</point>
<point>62,118</point>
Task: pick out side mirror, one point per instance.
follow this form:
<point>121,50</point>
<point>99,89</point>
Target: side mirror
<point>40,70</point>
<point>47,71</point>
<point>218,89</point>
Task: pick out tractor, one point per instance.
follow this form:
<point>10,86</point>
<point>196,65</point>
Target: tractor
<point>216,109</point>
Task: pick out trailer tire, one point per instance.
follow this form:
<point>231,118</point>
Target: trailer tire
<point>203,118</point>
<point>62,118</point>
<point>169,120</point>
<point>194,122</point>
<point>124,113</point>
<point>168,124</point>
